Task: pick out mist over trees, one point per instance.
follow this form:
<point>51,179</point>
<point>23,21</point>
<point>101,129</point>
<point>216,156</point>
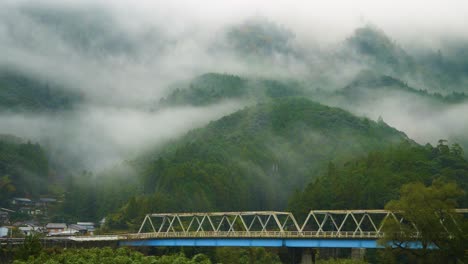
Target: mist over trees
<point>120,109</point>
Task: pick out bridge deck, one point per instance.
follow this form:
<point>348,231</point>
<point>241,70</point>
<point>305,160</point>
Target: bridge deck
<point>253,242</point>
<point>258,234</point>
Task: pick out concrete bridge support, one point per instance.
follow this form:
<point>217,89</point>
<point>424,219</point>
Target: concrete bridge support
<point>358,253</point>
<point>308,256</point>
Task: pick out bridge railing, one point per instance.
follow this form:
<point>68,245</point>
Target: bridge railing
<point>257,234</point>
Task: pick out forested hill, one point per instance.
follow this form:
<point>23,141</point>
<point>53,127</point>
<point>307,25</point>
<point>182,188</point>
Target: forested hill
<point>22,92</point>
<point>252,159</point>
<point>442,71</point>
<point>211,88</point>
<point>373,180</point>
<point>24,169</point>
<point>369,85</point>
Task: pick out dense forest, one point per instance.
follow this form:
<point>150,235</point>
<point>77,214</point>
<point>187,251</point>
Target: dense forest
<point>212,88</point>
<point>22,92</point>
<point>252,159</point>
<point>111,120</point>
<point>375,179</point>
<point>24,169</point>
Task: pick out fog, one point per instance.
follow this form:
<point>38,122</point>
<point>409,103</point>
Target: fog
<point>96,138</point>
<point>423,120</point>
<point>123,56</point>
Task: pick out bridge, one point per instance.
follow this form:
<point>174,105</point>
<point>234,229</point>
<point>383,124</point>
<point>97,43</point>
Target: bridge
<point>321,229</point>
<point>355,229</point>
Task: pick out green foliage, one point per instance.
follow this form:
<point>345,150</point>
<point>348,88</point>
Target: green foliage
<point>206,89</point>
<point>24,169</point>
<point>429,214</point>
<point>31,247</point>
<point>245,256</point>
<point>252,159</point>
<point>341,261</point>
<point>109,256</point>
<point>6,188</point>
<point>444,72</point>
<point>374,180</point>
<point>213,87</point>
<point>89,197</point>
<point>369,85</point>
<point>380,52</point>
<point>19,92</point>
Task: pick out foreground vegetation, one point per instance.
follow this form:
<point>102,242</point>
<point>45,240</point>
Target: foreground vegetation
<point>33,253</point>
<point>109,256</point>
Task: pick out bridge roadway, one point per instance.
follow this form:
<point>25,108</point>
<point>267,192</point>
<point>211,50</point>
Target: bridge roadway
<point>307,239</point>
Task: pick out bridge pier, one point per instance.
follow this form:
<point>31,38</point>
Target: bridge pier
<point>358,253</point>
<point>308,256</point>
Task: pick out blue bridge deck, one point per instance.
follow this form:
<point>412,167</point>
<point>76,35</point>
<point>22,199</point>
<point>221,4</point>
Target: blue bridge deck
<point>254,242</point>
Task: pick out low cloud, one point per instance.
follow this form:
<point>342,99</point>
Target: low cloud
<point>123,55</point>
<point>96,138</point>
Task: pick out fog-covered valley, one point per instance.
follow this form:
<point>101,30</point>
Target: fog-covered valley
<point>121,108</point>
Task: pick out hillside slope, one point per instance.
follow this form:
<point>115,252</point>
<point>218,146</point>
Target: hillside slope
<point>373,180</point>
<point>212,88</point>
<point>24,169</point>
<point>252,159</point>
<point>21,92</point>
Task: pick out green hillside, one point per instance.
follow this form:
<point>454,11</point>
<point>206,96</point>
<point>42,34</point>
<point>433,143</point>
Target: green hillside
<point>377,49</point>
<point>435,70</point>
<point>20,92</point>
<point>252,159</point>
<point>214,87</point>
<point>369,85</point>
<point>376,178</point>
<point>24,169</point>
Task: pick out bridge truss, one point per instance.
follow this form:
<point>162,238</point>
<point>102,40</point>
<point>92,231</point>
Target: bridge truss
<point>366,224</point>
<point>229,222</point>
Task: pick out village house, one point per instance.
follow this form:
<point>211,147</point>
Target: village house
<point>89,227</point>
<point>30,211</point>
<point>53,228</point>
<point>78,229</point>
<point>21,202</point>
<point>30,229</point>
<point>4,217</point>
<point>45,202</point>
<point>5,231</point>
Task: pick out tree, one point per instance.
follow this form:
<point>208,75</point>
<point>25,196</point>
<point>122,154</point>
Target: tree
<point>429,219</point>
<point>6,188</point>
<point>30,247</point>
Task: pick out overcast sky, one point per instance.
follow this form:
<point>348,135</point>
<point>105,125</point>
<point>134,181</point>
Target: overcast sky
<point>426,18</point>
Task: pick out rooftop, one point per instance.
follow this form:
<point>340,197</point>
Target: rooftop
<point>48,200</point>
<point>56,226</point>
<point>77,227</point>
<point>25,200</point>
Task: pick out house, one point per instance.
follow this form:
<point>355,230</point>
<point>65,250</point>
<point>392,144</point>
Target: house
<point>80,230</point>
<point>53,228</point>
<point>21,201</point>
<point>89,227</point>
<point>30,211</point>
<point>4,217</point>
<point>4,231</point>
<point>30,229</point>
